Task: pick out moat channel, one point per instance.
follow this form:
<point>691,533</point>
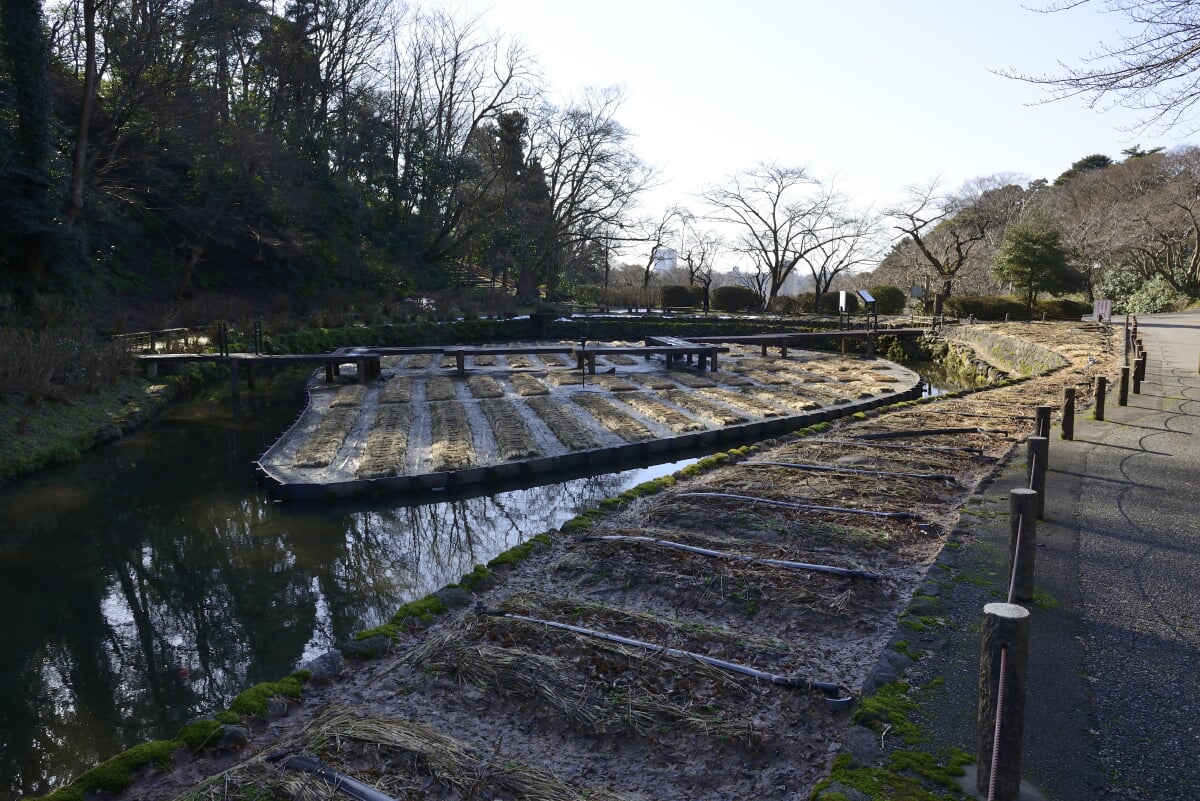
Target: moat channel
<point>151,582</point>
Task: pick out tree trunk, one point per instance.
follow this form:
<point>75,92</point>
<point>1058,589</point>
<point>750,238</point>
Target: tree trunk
<point>73,203</point>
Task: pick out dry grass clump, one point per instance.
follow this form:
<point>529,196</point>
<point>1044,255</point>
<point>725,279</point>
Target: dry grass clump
<point>387,445</point>
<point>326,439</point>
<point>620,359</point>
<point>613,383</point>
<point>691,380</point>
<point>765,365</point>
<point>513,437</point>
<point>527,385</point>
<point>569,430</point>
<point>612,418</point>
<point>59,363</point>
<point>597,706</point>
<point>484,386</point>
<point>452,447</point>
<point>448,363</point>
<point>471,772</point>
<point>653,381</point>
<point>419,361</point>
<point>704,408</point>
<point>484,360</point>
<point>391,362</point>
<point>439,389</point>
<point>348,396</point>
<point>396,390</point>
<point>661,413</point>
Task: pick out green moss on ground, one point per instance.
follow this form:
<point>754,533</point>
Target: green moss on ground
<point>114,775</point>
<point>253,702</point>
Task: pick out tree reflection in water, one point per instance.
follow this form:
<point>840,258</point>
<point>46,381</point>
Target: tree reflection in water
<point>149,584</point>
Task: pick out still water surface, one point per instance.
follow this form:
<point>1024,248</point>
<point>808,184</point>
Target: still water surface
<point>151,582</point>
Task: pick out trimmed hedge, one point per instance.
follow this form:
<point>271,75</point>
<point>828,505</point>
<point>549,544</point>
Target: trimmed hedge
<point>736,299</point>
<point>678,295</point>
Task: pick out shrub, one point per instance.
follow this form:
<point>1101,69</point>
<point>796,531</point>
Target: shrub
<point>888,299</point>
<point>736,299</point>
<point>989,307</point>
<point>1062,309</point>
<point>790,304</point>
<point>682,295</point>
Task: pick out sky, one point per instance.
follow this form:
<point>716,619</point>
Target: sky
<point>873,95</point>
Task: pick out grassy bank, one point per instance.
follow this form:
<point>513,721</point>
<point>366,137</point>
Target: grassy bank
<point>34,436</point>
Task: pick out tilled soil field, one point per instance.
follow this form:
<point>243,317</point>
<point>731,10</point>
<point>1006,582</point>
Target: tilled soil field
<point>703,639</point>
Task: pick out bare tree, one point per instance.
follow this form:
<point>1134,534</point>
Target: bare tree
<point>659,233</point>
<point>855,245</point>
<point>780,213</point>
<point>592,174</point>
<point>950,230</point>
<point>1154,70</point>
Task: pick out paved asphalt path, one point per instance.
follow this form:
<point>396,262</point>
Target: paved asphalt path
<point>1113,701</point>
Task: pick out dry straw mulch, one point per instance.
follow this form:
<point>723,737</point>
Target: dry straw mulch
<point>655,382</point>
<point>396,390</point>
<point>452,445</point>
<point>691,379</point>
<point>527,385</point>
<point>612,383</point>
<point>519,361</point>
<point>620,359</point>
<point>612,418</point>
<point>349,396</point>
<point>419,361</point>
<point>439,389</point>
<point>555,360</point>
<point>484,386</point>
<point>704,408</point>
<point>484,360</point>
<point>386,450</point>
<point>756,406</point>
<point>513,437</point>
<point>326,439</point>
<point>662,413</point>
<point>568,428</point>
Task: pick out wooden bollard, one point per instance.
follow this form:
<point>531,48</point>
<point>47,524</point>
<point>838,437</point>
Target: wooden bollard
<point>1022,541</point>
<point>1003,654</point>
<point>1068,413</point>
<point>1041,418</point>
<point>1101,391</point>
<point>1123,388</point>
<point>1037,452</point>
<point>234,389</point>
<point>1139,366</point>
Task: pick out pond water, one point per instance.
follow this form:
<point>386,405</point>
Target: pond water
<point>151,582</point>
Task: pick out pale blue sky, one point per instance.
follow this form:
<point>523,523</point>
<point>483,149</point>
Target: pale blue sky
<point>881,93</point>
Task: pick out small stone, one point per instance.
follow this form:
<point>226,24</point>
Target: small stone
<point>862,745</point>
<point>231,737</point>
<point>370,648</point>
<point>326,667</point>
<point>453,597</point>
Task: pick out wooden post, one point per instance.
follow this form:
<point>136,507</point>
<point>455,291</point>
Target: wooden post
<point>234,390</point>
<point>1138,365</point>
<point>1037,455</point>
<point>1126,351</point>
<point>1022,541</point>
<point>1041,425</point>
<point>328,372</point>
<point>1123,388</point>
<point>1101,391</point>
<point>250,376</point>
<point>1068,414</point>
<point>1003,654</point>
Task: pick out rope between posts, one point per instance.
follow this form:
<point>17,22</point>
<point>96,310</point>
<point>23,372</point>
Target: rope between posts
<point>991,796</point>
<point>1012,580</point>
